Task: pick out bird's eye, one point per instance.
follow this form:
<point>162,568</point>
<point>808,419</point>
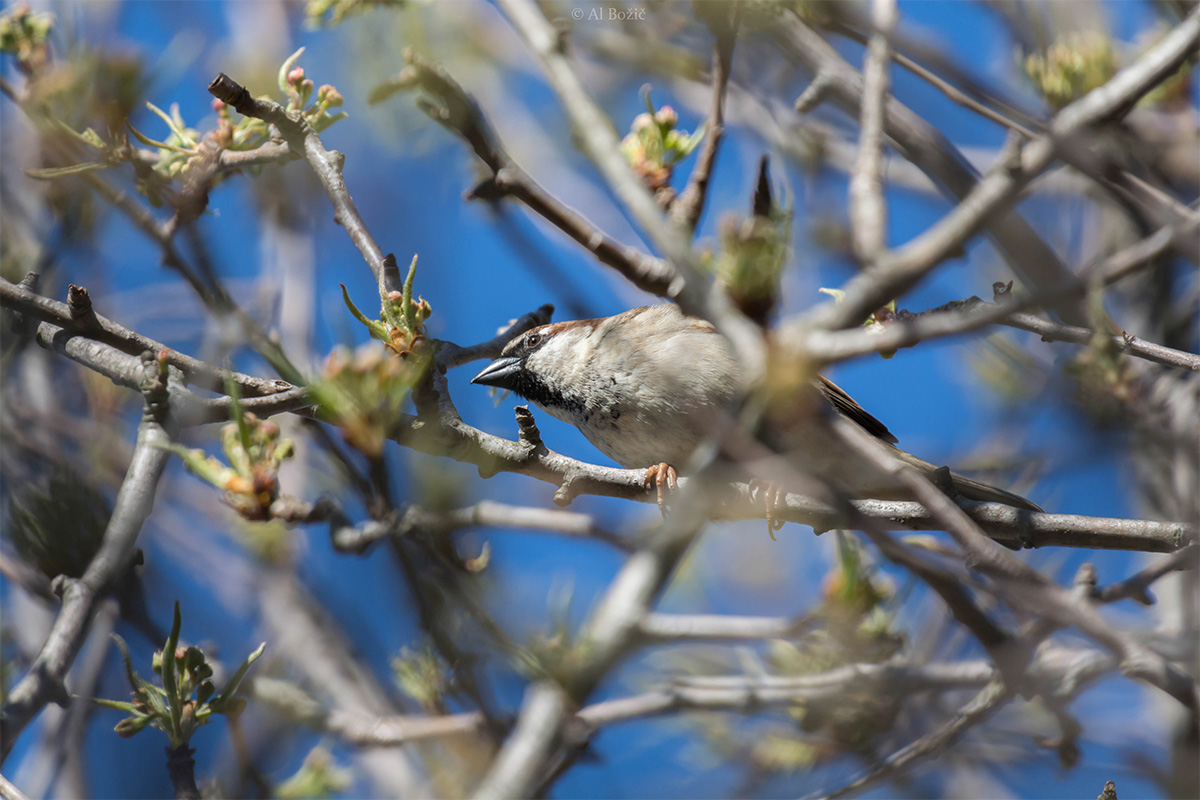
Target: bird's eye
<point>533,340</point>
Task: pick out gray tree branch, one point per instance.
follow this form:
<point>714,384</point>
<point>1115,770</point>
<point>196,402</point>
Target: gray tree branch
<point>43,682</point>
<point>897,270</point>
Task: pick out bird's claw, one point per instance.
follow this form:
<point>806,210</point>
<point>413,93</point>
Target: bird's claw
<point>772,494</point>
<point>661,477</point>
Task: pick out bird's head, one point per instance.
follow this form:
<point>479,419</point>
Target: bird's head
<point>543,365</point>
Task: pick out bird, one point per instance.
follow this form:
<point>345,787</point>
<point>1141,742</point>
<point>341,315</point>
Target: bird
<point>649,386</point>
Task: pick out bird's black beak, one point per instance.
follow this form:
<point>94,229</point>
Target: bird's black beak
<point>501,373</point>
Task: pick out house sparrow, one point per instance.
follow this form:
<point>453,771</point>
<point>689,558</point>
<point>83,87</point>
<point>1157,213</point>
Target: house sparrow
<point>649,386</point>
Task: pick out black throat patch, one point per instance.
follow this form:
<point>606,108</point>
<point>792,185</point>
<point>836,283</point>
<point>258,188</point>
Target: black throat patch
<point>531,387</point>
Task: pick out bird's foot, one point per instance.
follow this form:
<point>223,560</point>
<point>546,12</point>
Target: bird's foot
<point>772,494</point>
<point>663,478</point>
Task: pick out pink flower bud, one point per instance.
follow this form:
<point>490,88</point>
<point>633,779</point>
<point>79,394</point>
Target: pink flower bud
<point>296,75</point>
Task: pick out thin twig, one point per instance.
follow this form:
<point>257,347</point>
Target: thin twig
<point>327,164</point>
<point>657,627</point>
<point>907,51</point>
<point>961,98</point>
<point>1136,587</point>
<point>963,316</point>
<point>982,706</point>
<point>688,208</point>
<point>458,111</point>
<point>950,588</point>
<point>450,355</point>
<point>952,92</point>
<point>18,573</point>
<point>484,514</point>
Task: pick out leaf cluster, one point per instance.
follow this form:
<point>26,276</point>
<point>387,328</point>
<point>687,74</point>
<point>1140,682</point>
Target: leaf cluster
<point>187,698</point>
<point>253,452</point>
<point>654,145</point>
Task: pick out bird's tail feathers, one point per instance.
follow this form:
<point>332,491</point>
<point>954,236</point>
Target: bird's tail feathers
<point>971,488</point>
<point>985,493</point>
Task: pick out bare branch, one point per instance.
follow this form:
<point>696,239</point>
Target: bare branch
<point>119,367</point>
<point>607,635</point>
<point>1059,673</point>
<point>963,316</point>
<point>1126,343</point>
<point>10,792</point>
<point>125,369</point>
<point>495,454</point>
<point>220,409</point>
<point>723,22</point>
<point>462,442</point>
<point>132,343</point>
<point>484,514</point>
<point>896,271</point>
<point>868,212</point>
<point>530,746</point>
<point>1030,590</point>
<point>923,144</point>
<point>43,682</point>
<point>656,627</point>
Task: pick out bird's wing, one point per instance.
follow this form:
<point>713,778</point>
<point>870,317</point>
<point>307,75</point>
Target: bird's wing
<point>845,404</point>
